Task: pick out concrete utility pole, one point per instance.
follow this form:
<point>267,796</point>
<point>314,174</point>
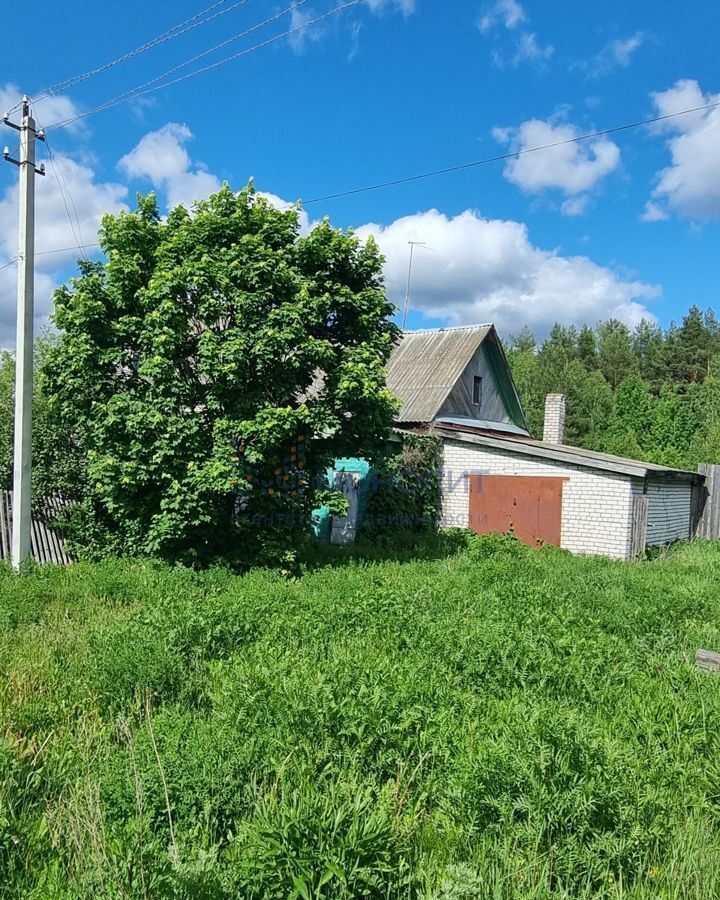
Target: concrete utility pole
<point>24,336</point>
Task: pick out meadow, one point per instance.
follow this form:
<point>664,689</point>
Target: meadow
<point>472,719</point>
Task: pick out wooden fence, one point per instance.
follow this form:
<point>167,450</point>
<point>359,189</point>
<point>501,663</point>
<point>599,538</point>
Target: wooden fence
<point>46,542</point>
<point>706,504</point>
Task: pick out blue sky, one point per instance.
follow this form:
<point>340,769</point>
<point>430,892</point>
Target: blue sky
<point>626,225</point>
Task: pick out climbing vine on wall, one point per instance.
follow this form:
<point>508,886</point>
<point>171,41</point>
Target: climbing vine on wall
<point>405,493</point>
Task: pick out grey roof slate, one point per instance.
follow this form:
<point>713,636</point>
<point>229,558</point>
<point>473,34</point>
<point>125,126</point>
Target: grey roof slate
<point>425,366</point>
<point>576,456</point>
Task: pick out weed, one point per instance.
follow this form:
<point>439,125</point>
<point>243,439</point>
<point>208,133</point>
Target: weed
<point>454,718</point>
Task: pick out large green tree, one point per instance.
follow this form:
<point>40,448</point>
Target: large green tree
<point>212,366</point>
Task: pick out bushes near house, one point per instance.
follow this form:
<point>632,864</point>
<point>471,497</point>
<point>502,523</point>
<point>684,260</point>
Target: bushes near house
<point>486,722</point>
<point>405,488</point>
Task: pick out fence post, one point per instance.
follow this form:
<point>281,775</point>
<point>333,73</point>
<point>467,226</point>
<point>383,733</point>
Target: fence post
<point>707,504</point>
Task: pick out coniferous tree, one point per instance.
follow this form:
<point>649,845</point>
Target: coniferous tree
<point>587,348</point>
<point>648,347</point>
<point>617,360</point>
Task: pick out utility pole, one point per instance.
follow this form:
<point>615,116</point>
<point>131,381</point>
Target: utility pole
<point>406,307</point>
<point>24,336</point>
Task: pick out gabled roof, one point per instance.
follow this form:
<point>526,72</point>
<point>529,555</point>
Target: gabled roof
<point>575,456</point>
<point>425,366</point>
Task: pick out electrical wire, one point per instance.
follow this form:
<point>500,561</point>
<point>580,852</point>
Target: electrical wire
<point>141,88</point>
<point>8,264</point>
<point>273,40</point>
<point>505,156</point>
<point>458,168</point>
<point>193,22</point>
<point>63,186</point>
<point>66,249</point>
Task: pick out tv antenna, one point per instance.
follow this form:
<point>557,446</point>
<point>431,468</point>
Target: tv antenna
<point>413,245</point>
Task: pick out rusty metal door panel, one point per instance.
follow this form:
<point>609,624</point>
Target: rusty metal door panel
<point>528,506</point>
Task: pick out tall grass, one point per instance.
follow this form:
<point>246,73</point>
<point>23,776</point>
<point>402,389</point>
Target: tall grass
<point>492,723</point>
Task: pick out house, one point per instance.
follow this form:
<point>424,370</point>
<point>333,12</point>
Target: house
<point>456,383</point>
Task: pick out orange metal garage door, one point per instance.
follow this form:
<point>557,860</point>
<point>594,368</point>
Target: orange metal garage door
<point>529,506</point>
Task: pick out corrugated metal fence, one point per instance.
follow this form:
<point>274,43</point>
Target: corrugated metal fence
<point>46,542</point>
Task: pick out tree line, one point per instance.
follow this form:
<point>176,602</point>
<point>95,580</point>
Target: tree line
<point>648,393</point>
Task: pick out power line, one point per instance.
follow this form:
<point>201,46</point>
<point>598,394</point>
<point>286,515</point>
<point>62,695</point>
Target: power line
<point>458,168</point>
<point>504,156</point>
<point>215,65</point>
<point>138,89</point>
<point>66,249</point>
<point>7,264</point>
<point>77,237</point>
<point>193,22</point>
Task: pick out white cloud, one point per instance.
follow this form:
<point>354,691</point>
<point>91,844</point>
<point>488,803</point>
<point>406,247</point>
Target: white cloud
<point>56,108</point>
<point>574,168</point>
<point>690,186</point>
<point>528,50</point>
<point>406,7</point>
<point>45,284</point>
<point>616,54</point>
<point>575,206</point>
<point>71,181</point>
<point>653,212</point>
<point>304,35</point>
<point>306,224</point>
<point>87,200</point>
<point>488,270</point>
<point>508,13</point>
<point>161,157</point>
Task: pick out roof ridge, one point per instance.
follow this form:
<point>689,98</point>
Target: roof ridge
<point>449,328</point>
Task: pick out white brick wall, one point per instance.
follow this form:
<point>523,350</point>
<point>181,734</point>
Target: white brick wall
<point>596,507</point>
<point>668,511</point>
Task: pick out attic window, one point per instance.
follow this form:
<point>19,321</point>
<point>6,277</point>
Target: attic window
<point>477,390</point>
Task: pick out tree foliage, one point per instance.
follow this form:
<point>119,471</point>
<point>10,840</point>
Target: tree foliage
<point>212,366</point>
<point>405,488</point>
<point>647,393</point>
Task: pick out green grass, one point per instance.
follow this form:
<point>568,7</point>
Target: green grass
<point>488,723</point>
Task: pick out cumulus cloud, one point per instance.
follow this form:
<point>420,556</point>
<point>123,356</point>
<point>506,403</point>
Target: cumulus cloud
<point>616,54</point>
<point>55,108</point>
<point>488,270</point>
<point>87,200</point>
<point>161,157</point>
<point>45,284</point>
<point>306,224</point>
<point>68,182</point>
<point>690,185</point>
<point>508,13</point>
<point>575,169</point>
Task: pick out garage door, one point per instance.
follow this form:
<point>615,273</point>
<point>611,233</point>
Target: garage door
<point>530,507</point>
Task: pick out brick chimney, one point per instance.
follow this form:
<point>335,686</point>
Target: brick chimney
<point>554,424</point>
